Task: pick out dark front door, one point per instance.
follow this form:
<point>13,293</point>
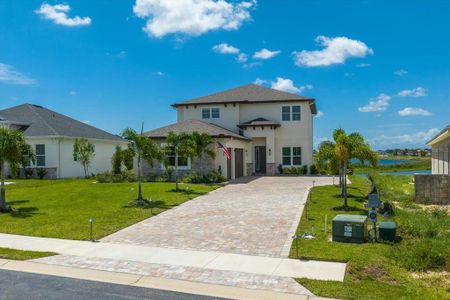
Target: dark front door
<point>238,163</point>
<point>260,159</point>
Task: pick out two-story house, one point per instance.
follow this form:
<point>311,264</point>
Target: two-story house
<point>261,127</point>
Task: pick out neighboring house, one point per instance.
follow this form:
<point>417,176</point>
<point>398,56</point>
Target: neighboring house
<point>261,127</point>
<point>440,153</point>
<point>52,136</point>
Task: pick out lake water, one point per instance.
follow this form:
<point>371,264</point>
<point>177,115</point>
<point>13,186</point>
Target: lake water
<point>385,162</point>
<point>407,172</point>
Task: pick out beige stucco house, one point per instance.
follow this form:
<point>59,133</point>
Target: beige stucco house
<point>440,154</point>
<point>261,127</point>
<point>52,136</point>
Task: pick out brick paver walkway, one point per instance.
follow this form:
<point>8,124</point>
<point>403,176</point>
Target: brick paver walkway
<point>254,216</point>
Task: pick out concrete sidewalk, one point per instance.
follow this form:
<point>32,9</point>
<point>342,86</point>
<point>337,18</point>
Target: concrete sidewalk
<point>150,282</point>
<point>283,267</point>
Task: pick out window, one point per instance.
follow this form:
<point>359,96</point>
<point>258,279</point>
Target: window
<point>183,162</point>
<point>215,113</point>
<point>286,156</point>
<point>292,156</point>
<point>286,113</point>
<point>40,155</point>
<point>206,113</point>
<point>296,156</point>
<point>296,113</point>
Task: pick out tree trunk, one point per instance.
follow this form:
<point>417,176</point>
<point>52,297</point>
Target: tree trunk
<point>344,190</point>
<point>176,169</point>
<point>2,188</point>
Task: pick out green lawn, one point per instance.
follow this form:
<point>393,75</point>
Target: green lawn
<point>62,208</point>
<point>7,253</point>
<point>373,272</point>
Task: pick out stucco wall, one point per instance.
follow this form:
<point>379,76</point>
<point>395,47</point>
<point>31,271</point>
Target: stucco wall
<point>440,161</point>
<point>229,115</point>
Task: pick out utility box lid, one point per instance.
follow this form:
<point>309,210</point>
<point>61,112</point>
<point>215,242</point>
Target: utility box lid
<point>350,218</point>
<point>387,225</point>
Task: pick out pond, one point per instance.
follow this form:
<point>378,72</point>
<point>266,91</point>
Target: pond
<point>399,173</point>
<point>386,162</point>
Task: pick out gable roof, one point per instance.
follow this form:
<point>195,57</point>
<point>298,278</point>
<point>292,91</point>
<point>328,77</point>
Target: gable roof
<point>250,93</point>
<point>36,120</point>
<point>190,126</point>
<point>444,134</point>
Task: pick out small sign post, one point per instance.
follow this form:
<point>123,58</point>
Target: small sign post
<point>91,221</point>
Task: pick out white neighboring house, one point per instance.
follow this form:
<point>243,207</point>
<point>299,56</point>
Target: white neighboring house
<point>261,127</point>
<point>440,152</point>
<point>52,136</point>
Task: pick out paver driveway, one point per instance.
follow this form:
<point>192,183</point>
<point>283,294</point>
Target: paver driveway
<point>254,216</point>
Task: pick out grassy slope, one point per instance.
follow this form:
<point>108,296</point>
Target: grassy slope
<point>370,274</point>
<point>62,208</point>
<point>7,253</point>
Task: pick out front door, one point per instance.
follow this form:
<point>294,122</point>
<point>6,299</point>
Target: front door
<point>238,163</point>
<point>260,159</point>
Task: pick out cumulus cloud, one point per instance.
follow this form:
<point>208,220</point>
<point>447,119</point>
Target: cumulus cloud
<point>260,81</point>
<point>336,51</point>
<point>287,85</point>
<point>225,48</point>
<point>8,74</point>
<point>414,139</point>
<point>58,14</point>
<point>319,114</point>
<point>265,54</point>
<point>401,72</point>
<point>413,111</point>
<point>379,103</point>
<point>242,58</point>
<point>416,92</point>
<point>191,17</point>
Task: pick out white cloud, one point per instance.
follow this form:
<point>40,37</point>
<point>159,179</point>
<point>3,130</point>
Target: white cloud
<point>416,92</point>
<point>260,81</point>
<point>319,140</point>
<point>265,54</point>
<point>363,65</point>
<point>58,14</point>
<point>319,114</point>
<point>225,48</point>
<point>8,74</point>
<point>336,51</point>
<point>191,17</point>
<point>418,138</point>
<point>401,72</point>
<point>412,111</point>
<point>242,58</point>
<point>159,73</point>
<point>86,121</point>
<point>287,85</point>
<point>251,65</point>
<point>379,103</point>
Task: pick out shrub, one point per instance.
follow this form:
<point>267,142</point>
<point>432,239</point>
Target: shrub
<point>168,173</point>
<point>109,177</point>
<point>304,170</point>
<point>425,224</point>
<point>293,170</point>
<point>215,177</point>
<point>193,177</point>
<point>28,173</point>
<point>116,160</point>
<point>422,255</point>
<point>280,168</point>
<point>313,170</point>
<point>41,172</point>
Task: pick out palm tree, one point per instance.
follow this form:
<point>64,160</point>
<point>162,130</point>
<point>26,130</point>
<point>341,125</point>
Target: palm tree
<point>143,148</point>
<point>181,145</point>
<point>336,155</point>
<point>12,148</point>
<point>202,146</point>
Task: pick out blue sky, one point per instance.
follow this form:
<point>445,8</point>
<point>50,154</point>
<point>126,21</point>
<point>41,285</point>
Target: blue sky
<point>378,67</point>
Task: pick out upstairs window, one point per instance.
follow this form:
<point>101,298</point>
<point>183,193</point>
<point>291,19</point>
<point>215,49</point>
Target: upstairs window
<point>215,113</point>
<point>40,155</point>
<point>286,113</point>
<point>206,113</point>
<point>296,113</point>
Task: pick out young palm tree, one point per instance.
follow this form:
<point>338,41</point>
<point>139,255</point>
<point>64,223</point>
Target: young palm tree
<point>12,147</point>
<point>142,148</point>
<point>181,145</point>
<point>202,146</point>
<point>344,148</point>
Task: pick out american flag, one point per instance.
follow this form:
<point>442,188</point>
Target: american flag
<point>225,150</point>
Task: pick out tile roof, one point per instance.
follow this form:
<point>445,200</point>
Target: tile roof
<point>190,126</point>
<point>250,93</point>
<point>259,122</point>
<point>39,121</point>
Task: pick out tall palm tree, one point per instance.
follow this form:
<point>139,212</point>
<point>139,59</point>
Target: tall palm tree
<point>202,146</point>
<point>142,148</point>
<point>336,154</point>
<point>181,145</point>
<point>12,149</point>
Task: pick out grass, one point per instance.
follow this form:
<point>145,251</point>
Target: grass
<point>7,253</point>
<point>372,272</point>
<point>62,208</point>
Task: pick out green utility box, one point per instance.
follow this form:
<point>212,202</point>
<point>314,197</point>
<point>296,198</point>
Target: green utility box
<point>350,229</point>
<point>387,231</point>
